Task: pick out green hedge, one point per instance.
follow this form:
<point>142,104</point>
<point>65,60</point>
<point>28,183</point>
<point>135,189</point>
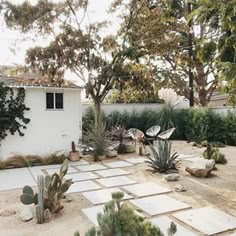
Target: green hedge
<point>191,124</point>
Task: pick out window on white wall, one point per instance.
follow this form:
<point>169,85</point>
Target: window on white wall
<point>54,100</point>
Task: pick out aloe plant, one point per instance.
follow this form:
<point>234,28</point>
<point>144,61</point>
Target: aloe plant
<point>162,160</point>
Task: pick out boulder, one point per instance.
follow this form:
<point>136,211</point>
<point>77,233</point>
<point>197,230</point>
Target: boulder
<point>26,214</point>
<point>172,177</point>
<point>201,168</point>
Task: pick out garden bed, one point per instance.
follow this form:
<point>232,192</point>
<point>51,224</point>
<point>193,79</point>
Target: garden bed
<point>217,191</point>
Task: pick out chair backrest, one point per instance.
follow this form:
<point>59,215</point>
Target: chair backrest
<point>153,131</point>
<point>166,134</point>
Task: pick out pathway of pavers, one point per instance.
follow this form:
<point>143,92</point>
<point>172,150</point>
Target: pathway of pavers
<point>96,182</point>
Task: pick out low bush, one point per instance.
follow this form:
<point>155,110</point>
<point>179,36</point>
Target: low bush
<point>120,219</point>
<point>198,124</point>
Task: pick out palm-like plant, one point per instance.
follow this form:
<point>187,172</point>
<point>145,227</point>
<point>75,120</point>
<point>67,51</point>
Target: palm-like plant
<point>162,160</point>
<point>120,133</point>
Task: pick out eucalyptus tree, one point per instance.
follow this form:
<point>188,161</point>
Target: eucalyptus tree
<point>96,59</point>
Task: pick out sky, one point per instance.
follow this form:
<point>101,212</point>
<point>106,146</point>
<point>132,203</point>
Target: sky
<point>13,48</point>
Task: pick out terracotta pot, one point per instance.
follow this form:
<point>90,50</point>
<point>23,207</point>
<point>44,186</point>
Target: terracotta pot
<point>74,156</point>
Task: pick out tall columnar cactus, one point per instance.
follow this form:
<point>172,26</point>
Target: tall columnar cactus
<point>51,190</point>
<point>40,205</point>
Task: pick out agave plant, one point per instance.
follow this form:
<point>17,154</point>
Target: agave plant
<point>162,160</point>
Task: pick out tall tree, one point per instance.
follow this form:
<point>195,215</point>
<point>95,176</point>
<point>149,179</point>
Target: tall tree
<point>135,85</point>
<point>95,59</point>
<point>12,112</point>
<point>160,36</point>
<point>219,17</point>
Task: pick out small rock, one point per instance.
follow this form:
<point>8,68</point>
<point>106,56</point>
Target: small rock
<point>26,214</point>
<point>7,212</point>
<point>111,153</point>
<point>68,198</point>
<point>201,168</point>
<point>172,177</point>
<point>179,188</point>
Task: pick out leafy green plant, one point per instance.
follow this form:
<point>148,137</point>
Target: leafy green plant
<point>97,139</point>
<point>51,190</point>
<point>120,133</point>
<point>162,160</point>
<point>230,128</point>
<point>12,111</point>
<point>214,154</point>
<point>119,219</point>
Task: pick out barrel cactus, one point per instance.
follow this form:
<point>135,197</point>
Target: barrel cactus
<point>51,190</point>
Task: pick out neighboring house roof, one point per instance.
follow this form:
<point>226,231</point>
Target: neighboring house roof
<point>16,82</point>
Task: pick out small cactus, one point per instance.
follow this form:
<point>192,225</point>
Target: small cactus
<point>73,146</point>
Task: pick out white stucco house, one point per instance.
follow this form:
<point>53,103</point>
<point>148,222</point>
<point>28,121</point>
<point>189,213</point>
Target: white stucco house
<point>55,118</point>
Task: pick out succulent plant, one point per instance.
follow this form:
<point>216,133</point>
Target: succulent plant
<point>51,190</point>
<point>120,219</point>
<point>215,154</point>
<point>162,160</point>
<point>120,133</point>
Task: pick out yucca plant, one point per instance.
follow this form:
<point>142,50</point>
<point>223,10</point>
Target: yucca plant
<point>162,160</point>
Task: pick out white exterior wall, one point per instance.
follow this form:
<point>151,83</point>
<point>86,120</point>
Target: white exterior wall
<point>48,130</point>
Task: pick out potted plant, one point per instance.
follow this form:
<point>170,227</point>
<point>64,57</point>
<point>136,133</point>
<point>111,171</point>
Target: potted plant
<point>74,155</point>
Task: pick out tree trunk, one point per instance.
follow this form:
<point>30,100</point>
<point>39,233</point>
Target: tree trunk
<point>98,118</point>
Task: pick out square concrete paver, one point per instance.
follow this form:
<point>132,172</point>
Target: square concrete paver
<point>81,162</point>
<point>146,189</point>
<point>82,176</point>
<point>163,222</point>
<point>111,172</point>
<point>118,164</point>
<point>207,220</point>
<point>57,170</point>
<point>116,181</point>
<point>35,171</point>
<point>91,167</point>
<point>92,213</point>
<point>103,195</point>
<point>160,204</point>
<point>83,186</point>
<point>16,178</point>
<point>136,160</point>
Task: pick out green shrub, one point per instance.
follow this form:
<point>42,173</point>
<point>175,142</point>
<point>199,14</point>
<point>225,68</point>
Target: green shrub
<point>230,128</point>
<point>119,219</point>
<point>191,124</point>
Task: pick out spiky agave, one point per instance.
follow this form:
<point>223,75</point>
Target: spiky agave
<point>162,160</point>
